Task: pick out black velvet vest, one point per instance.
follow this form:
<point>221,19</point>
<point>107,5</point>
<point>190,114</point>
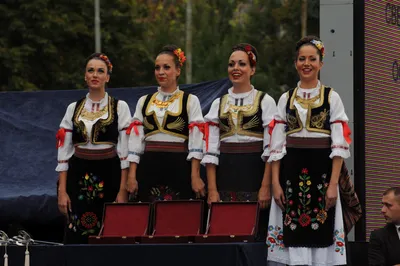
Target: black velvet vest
<point>175,124</point>
<point>104,131</point>
<point>249,123</point>
<point>318,115</point>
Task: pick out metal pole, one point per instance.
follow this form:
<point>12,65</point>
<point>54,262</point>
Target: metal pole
<point>189,42</point>
<point>303,18</point>
<point>97,34</point>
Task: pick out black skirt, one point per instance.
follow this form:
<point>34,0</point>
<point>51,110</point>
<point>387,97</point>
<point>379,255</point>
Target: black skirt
<point>90,184</point>
<point>164,176</point>
<point>304,175</point>
<point>239,176</point>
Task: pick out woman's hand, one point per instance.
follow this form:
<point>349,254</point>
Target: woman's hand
<point>64,203</point>
<point>198,186</point>
<point>122,197</point>
<point>213,196</point>
<point>132,185</point>
<point>264,196</point>
<point>330,197</point>
<point>279,196</point>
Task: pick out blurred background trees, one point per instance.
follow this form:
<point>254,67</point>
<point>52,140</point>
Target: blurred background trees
<point>44,43</point>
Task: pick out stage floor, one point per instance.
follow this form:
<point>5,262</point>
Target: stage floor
<point>230,254</point>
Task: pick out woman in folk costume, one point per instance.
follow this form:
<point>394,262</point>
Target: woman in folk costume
<point>165,143</point>
<point>92,153</point>
<point>237,138</point>
<point>310,139</point>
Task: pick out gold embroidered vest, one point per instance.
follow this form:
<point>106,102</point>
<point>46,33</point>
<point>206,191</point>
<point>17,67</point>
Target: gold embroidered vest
<point>175,124</point>
<point>249,122</point>
<point>104,131</point>
<point>318,114</point>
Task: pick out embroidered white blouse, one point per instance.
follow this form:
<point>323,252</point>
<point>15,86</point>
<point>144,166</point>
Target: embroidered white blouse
<point>137,143</point>
<point>339,145</point>
<point>124,117</point>
<point>237,100</point>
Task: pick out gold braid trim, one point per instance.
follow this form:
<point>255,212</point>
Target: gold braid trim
<point>80,126</point>
<point>101,124</point>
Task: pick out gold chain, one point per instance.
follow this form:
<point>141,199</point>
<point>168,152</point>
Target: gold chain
<point>165,104</point>
<point>93,116</point>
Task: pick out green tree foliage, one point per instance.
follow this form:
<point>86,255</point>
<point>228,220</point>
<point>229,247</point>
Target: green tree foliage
<point>41,43</point>
<point>44,43</point>
<point>274,27</point>
<point>214,35</point>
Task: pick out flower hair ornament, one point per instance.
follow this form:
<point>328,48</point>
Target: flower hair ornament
<point>251,55</point>
<point>181,56</point>
<point>107,61</point>
<point>320,46</point>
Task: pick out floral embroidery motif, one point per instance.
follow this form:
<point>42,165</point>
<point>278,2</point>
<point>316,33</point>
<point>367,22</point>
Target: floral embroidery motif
<point>87,224</point>
<point>303,216</point>
<point>88,220</point>
<point>304,220</point>
<point>91,187</point>
<point>163,193</point>
<point>275,238</point>
<point>339,241</point>
<point>322,214</point>
<point>314,226</point>
<point>293,227</point>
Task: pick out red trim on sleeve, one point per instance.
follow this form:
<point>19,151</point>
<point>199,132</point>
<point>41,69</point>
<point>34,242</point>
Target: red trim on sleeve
<point>272,125</point>
<point>60,137</point>
<point>134,125</point>
<point>346,130</point>
<point>206,131</point>
<point>200,126</point>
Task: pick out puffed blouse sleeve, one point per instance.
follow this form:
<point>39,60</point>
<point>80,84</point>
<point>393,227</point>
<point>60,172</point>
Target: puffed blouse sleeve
<point>212,141</point>
<point>340,131</point>
<point>136,142</point>
<point>278,136</point>
<point>65,147</point>
<point>124,119</point>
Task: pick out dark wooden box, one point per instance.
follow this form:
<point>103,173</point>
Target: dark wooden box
<point>231,222</point>
<point>177,221</point>
<point>123,223</point>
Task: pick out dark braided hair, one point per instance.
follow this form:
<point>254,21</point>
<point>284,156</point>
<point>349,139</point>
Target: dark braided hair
<point>250,50</point>
<point>171,50</point>
<point>308,40</point>
<point>102,57</point>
